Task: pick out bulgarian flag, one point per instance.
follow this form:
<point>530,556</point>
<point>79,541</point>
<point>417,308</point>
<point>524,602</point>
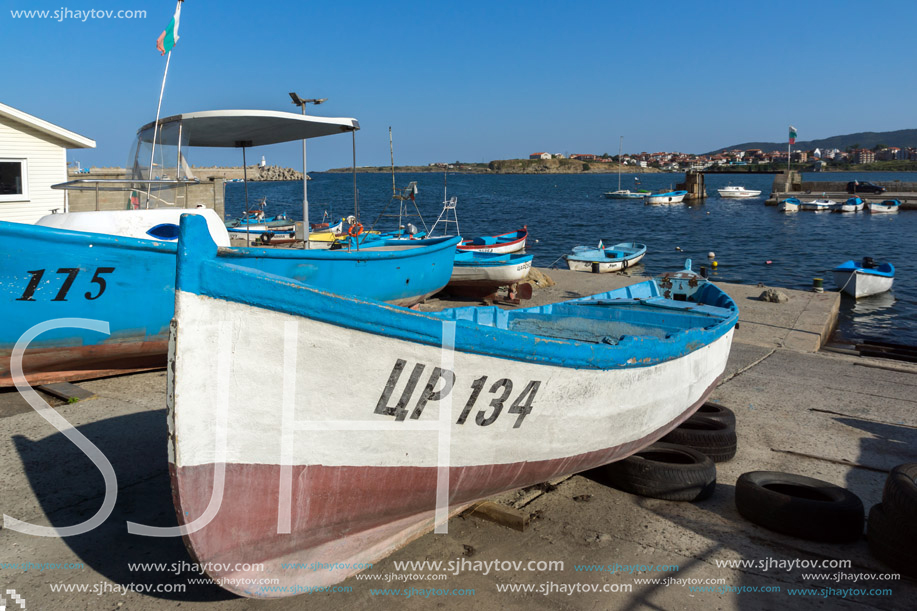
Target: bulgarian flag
<point>792,135</point>
<point>169,36</point>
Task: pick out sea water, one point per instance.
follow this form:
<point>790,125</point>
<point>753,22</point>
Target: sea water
<point>753,243</point>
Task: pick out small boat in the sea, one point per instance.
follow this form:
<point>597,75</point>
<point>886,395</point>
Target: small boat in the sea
<point>818,205</point>
<point>888,206</point>
<point>668,197</point>
<point>256,221</point>
<point>737,192</point>
<point>863,279</point>
<point>853,204</point>
<point>503,243</point>
<point>627,194</point>
<point>790,204</point>
<point>602,260</point>
<point>338,429</point>
<point>477,274</point>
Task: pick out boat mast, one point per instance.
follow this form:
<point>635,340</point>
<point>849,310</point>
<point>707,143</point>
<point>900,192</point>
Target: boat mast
<point>391,150</point>
<point>620,148</point>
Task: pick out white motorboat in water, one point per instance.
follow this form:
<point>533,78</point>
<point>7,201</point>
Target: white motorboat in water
<point>863,279</point>
<point>818,205</point>
<point>737,192</point>
<point>790,204</point>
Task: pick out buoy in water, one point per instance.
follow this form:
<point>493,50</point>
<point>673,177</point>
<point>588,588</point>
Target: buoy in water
<point>768,262</point>
<point>714,264</point>
<point>711,255</point>
<point>678,248</point>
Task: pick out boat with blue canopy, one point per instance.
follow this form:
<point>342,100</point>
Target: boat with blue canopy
<point>451,407</point>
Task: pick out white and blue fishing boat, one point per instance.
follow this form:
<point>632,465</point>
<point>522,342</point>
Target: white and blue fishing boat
<point>667,197</point>
<point>790,204</point>
<point>822,204</point>
<point>864,279</point>
<point>478,274</point>
<point>119,266</point>
<point>503,243</point>
<point>602,260</point>
<point>853,204</point>
<point>255,221</point>
<point>888,206</point>
<point>444,408</point>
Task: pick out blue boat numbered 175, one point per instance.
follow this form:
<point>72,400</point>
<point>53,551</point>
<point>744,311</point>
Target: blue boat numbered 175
<point>447,408</point>
<point>128,283</point>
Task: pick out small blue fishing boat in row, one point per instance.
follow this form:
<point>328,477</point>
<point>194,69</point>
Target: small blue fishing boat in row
<point>602,260</point>
<point>450,407</point>
<point>478,274</point>
<point>853,204</point>
<point>888,206</point>
<point>666,197</point>
<point>863,279</point>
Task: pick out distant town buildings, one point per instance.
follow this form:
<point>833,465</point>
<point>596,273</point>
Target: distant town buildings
<point>686,161</point>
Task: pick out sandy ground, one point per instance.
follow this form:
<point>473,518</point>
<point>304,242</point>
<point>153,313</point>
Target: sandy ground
<point>843,419</point>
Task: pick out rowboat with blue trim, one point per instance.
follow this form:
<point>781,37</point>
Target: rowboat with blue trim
<point>864,279</point>
<point>790,204</point>
<point>453,406</point>
<point>668,197</point>
<point>888,206</point>
<point>479,274</point>
<point>823,204</point>
<point>853,204</point>
<point>503,243</point>
<point>603,260</point>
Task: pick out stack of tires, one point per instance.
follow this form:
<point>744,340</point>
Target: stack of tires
<point>892,527</point>
<point>681,466</point>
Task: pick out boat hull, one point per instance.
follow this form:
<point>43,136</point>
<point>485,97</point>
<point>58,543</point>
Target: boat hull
<point>358,506</point>
<point>513,242</point>
<point>483,280</point>
<point>858,284</point>
<point>737,194</point>
<point>666,198</point>
<point>128,284</point>
<point>602,267</point>
<point>883,209</point>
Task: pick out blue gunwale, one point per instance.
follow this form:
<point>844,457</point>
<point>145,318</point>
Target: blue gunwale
<point>478,330</point>
<point>886,270</point>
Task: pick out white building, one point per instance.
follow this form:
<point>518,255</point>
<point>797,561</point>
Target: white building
<point>33,156</point>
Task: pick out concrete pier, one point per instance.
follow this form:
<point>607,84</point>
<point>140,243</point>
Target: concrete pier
<point>838,418</point>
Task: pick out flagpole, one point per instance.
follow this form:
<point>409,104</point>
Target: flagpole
<point>156,126</point>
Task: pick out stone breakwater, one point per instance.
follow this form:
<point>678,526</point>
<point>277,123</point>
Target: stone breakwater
<point>255,173</point>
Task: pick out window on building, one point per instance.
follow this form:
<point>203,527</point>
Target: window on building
<point>13,180</point>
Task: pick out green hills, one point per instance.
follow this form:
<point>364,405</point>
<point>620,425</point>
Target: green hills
<point>902,138</point>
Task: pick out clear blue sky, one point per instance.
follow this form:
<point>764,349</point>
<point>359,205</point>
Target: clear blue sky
<point>475,81</point>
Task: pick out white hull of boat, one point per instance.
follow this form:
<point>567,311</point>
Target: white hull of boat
<point>496,275</point>
<point>818,206</point>
<point>849,207</point>
<point>787,207</point>
<point>883,209</point>
<point>858,284</point>
<point>737,193</point>
<point>134,223</point>
<point>499,249</point>
<point>664,199</point>
<point>327,479</point>
<point>603,267</point>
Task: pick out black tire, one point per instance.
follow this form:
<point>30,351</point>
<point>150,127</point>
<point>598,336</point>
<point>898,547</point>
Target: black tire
<point>712,437</point>
<point>800,506</point>
<point>664,471</point>
<point>899,497</point>
<point>888,543</point>
<point>714,411</point>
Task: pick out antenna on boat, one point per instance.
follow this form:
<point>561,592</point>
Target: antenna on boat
<point>391,150</point>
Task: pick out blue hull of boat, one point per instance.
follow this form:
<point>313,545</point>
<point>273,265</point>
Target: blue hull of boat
<point>128,284</point>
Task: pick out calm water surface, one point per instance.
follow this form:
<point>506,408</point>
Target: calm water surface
<point>753,243</point>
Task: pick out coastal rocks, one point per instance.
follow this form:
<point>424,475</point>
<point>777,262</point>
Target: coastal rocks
<point>774,296</point>
<point>539,278</point>
<point>273,172</point>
